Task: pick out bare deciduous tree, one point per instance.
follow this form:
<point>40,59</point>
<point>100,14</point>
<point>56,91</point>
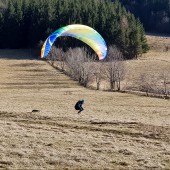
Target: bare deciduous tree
<point>52,56</point>
<point>57,54</point>
<point>145,85</point>
<point>80,66</point>
<point>154,84</point>
<point>61,57</point>
<point>165,77</point>
<point>167,48</point>
<point>98,73</point>
<point>115,69</point>
<point>86,73</point>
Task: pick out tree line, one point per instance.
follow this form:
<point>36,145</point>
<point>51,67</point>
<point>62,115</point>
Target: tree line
<point>113,75</point>
<point>23,23</point>
<point>83,68</point>
<point>154,14</point>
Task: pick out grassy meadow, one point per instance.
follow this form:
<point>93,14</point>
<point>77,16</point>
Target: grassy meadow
<point>115,131</point>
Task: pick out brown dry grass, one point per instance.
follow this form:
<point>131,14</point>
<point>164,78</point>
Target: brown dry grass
<point>116,130</point>
<point>158,43</point>
<point>152,64</point>
<point>159,49</point>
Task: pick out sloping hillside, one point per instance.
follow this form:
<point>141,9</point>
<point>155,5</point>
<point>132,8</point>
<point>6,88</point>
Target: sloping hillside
<point>151,66</point>
<point>116,130</point>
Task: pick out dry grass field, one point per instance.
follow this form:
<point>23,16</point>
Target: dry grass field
<point>151,65</point>
<point>116,131</point>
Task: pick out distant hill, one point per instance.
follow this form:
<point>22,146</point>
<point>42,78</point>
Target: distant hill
<point>154,14</point>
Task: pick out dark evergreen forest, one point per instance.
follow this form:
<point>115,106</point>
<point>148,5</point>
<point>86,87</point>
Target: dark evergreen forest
<point>23,23</point>
<point>154,14</point>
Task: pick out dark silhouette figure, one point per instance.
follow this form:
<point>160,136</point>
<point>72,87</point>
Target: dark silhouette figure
<point>78,106</point>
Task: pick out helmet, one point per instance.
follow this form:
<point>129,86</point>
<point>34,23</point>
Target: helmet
<point>82,100</point>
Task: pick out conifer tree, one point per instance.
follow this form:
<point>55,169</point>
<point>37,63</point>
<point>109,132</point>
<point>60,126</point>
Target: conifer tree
<point>26,22</point>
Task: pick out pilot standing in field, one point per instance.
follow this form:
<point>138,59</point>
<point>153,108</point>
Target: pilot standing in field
<point>78,106</point>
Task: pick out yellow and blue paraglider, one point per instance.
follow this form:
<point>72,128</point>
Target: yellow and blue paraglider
<point>82,32</point>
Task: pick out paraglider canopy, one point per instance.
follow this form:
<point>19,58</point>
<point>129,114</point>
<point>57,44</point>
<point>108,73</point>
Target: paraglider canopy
<point>82,32</point>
